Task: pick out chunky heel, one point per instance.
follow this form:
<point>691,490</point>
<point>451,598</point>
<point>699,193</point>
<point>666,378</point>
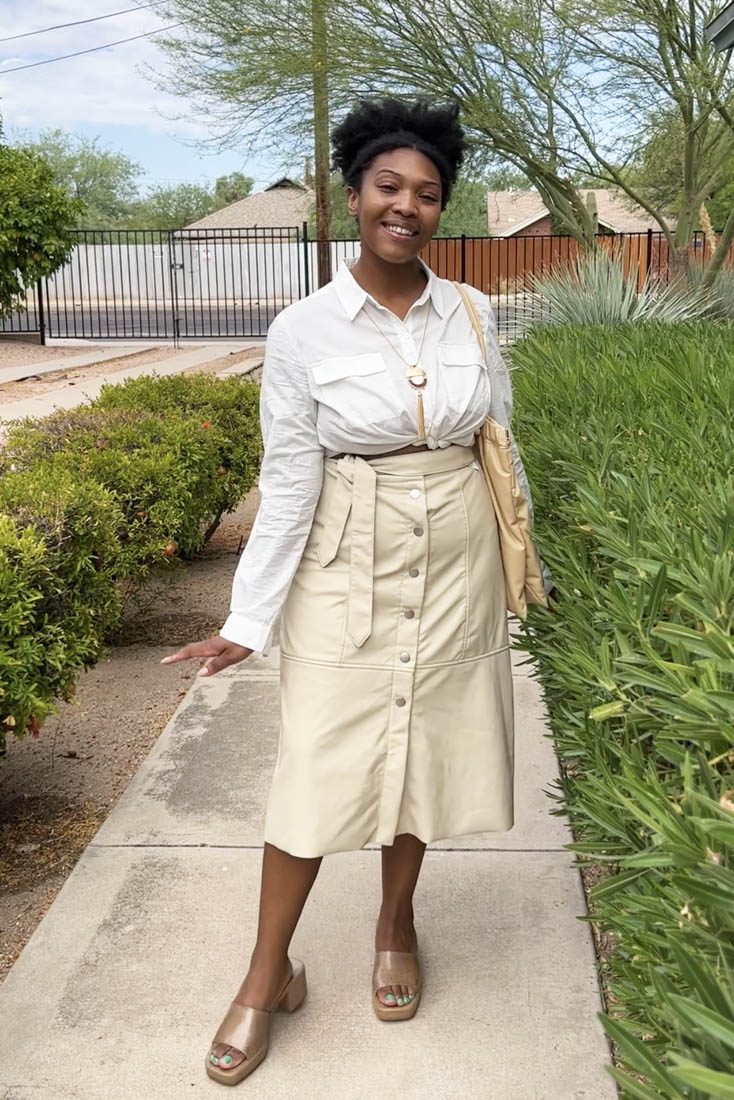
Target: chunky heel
<point>295,992</point>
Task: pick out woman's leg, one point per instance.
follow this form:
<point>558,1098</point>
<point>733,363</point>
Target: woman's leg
<point>401,864</point>
<point>284,886</point>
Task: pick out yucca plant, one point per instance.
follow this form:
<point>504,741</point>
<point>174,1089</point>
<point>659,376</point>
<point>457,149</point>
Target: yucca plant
<point>593,290</point>
<point>721,295</point>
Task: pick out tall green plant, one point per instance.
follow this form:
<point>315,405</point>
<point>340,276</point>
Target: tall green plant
<point>627,435</point>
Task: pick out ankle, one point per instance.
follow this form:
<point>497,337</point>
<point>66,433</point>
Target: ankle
<point>265,959</point>
<point>396,917</point>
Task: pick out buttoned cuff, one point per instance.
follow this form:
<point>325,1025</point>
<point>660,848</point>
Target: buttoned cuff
<point>248,632</point>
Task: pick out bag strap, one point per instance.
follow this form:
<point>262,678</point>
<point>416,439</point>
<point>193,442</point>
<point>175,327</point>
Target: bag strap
<point>471,310</point>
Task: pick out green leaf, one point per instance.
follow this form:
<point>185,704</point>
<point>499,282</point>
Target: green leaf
<point>710,1081</point>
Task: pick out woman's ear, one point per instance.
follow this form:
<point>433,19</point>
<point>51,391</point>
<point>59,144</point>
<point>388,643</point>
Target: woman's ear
<point>352,202</point>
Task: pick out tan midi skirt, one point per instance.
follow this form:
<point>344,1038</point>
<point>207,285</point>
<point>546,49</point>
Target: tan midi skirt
<point>395,682</point>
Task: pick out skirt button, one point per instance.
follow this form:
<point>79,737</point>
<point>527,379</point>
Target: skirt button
<point>404,657</point>
<point>400,702</point>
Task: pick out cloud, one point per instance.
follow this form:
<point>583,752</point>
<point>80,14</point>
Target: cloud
<point>96,89</point>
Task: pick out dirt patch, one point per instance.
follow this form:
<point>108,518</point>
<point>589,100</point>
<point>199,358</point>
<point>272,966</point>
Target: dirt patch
<point>57,789</point>
<point>18,353</point>
<point>60,379</point>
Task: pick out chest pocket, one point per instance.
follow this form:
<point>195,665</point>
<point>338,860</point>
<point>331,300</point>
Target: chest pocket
<point>463,373</point>
<point>358,388</point>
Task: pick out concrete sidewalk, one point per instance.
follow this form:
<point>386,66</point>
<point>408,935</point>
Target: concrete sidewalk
<point>123,984</point>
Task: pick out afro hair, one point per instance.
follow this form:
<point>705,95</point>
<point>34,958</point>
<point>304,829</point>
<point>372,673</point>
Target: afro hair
<point>378,126</point>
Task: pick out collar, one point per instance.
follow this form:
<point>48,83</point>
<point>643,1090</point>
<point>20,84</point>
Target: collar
<point>352,296</point>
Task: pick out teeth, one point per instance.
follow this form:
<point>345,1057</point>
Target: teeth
<point>400,229</point>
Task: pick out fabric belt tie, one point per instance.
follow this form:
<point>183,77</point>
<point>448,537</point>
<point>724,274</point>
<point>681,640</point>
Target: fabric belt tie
<point>358,481</point>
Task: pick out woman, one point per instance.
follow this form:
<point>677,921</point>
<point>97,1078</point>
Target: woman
<point>376,545</point>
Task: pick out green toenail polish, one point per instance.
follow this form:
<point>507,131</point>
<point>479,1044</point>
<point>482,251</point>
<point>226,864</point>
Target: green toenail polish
<point>389,996</point>
<point>401,1000</point>
<point>227,1059</point>
<point>213,1058</point>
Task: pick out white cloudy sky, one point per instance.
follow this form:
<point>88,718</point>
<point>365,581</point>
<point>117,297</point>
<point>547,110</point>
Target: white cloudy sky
<point>104,93</point>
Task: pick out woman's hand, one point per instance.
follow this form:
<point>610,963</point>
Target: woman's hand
<point>224,653</point>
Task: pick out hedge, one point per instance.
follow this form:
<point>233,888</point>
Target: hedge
<point>628,436</point>
<point>94,499</point>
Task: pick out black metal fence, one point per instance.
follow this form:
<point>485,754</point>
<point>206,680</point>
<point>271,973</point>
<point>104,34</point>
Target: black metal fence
<point>208,283</point>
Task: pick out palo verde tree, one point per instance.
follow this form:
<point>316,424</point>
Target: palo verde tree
<point>264,77</point>
<point>562,89</point>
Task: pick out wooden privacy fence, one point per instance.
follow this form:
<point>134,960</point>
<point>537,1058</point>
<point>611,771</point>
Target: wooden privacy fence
<point>502,266</point>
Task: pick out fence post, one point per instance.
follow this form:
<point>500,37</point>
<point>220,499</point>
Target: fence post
<point>648,263</point>
<point>463,257</point>
<point>41,313</point>
<point>305,259</point>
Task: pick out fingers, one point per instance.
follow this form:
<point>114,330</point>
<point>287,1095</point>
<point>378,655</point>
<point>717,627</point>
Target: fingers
<point>220,652</point>
<point>207,648</point>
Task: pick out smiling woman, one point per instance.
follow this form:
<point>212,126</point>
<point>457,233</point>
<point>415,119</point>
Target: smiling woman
<point>376,544</point>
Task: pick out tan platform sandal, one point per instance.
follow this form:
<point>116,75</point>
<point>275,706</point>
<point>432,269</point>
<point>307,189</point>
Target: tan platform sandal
<point>248,1029</point>
<point>396,968</point>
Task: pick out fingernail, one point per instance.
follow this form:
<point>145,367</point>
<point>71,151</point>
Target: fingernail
<point>165,660</point>
<point>203,672</point>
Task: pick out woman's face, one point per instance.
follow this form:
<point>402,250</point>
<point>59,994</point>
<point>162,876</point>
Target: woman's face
<point>401,190</point>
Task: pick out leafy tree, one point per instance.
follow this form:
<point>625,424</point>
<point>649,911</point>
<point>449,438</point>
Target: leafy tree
<point>35,219</point>
<point>172,207</point>
<point>231,188</point>
<point>105,182</point>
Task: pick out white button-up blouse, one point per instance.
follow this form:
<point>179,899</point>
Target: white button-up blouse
<point>333,383</point>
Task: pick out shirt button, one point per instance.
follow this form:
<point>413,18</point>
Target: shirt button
<point>400,702</point>
<point>415,493</point>
<point>417,530</point>
<point>412,572</point>
<point>404,657</point>
<point>409,614</point>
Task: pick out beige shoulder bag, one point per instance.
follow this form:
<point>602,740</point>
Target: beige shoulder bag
<point>520,561</point>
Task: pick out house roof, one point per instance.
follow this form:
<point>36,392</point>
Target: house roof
<point>283,204</point>
<point>510,212</point>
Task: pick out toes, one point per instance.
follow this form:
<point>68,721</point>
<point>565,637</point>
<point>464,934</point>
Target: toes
<point>225,1057</point>
<point>387,996</point>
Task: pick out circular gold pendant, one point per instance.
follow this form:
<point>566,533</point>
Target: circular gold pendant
<point>416,376</point>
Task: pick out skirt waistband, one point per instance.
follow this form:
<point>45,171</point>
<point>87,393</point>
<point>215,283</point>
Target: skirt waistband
<point>436,461</point>
<point>357,480</point>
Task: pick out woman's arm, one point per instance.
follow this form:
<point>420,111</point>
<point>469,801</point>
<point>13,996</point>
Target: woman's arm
<point>291,477</point>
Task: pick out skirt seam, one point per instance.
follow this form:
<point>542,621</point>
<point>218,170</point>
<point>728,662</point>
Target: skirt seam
<point>383,668</point>
<point>467,604</point>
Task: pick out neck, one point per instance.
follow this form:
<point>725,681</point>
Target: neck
<point>384,280</point>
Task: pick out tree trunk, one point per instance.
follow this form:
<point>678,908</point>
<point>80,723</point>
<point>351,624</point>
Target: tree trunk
<point>722,249</point>
<point>321,141</point>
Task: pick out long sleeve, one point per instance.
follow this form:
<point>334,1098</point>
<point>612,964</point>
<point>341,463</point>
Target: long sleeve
<point>291,478</point>
<point>501,405</point>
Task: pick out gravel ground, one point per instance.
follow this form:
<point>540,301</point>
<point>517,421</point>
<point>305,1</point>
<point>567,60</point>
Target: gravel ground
<point>57,789</point>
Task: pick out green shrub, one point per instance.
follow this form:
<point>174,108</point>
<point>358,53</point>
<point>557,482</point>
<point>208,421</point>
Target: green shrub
<point>173,459</point>
<point>58,597</point>
<point>628,437</point>
<point>93,500</point>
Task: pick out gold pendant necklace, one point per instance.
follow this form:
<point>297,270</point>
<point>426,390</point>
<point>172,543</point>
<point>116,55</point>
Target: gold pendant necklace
<point>414,373</point>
